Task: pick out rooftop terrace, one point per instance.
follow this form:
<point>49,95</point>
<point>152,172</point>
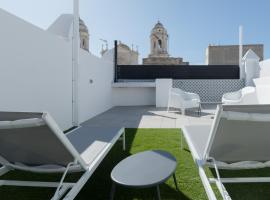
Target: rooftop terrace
<point>151,117</point>
<point>82,91</point>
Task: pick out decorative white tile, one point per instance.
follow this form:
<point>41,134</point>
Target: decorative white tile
<point>210,90</point>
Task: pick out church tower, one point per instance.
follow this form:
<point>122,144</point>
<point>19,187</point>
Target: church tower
<point>159,41</point>
<point>84,36</point>
<point>159,55</point>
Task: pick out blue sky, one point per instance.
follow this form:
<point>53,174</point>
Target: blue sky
<point>191,24</point>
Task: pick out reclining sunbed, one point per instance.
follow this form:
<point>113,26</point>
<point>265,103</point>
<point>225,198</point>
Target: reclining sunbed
<point>33,142</point>
<point>236,140</point>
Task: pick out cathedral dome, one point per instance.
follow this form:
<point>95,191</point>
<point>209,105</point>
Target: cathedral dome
<point>124,46</point>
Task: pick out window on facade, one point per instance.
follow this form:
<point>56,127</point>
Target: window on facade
<point>159,43</point>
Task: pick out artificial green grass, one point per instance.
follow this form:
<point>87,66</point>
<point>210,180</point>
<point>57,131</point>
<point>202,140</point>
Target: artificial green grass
<point>99,185</point>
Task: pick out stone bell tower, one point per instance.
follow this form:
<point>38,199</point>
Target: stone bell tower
<point>84,36</point>
<point>159,41</point>
<point>159,55</point>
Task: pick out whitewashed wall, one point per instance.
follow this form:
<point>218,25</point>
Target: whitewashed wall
<point>36,74</point>
<point>95,97</point>
<point>35,70</point>
<point>134,96</point>
<point>265,68</point>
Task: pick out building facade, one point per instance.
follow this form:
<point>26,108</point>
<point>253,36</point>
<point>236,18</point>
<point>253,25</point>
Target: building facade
<point>125,54</point>
<point>159,40</point>
<point>229,54</point>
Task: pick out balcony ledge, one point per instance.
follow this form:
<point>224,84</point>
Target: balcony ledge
<point>134,85</point>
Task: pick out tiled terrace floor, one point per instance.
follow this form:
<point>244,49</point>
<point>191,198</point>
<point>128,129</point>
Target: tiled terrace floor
<point>151,117</point>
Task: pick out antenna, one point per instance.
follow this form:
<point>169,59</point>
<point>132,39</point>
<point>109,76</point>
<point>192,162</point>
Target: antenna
<point>104,41</point>
<point>240,44</point>
<point>241,50</point>
<point>168,44</point>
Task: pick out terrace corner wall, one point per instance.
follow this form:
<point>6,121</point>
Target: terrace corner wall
<point>36,74</point>
<point>265,68</point>
<point>35,70</point>
<point>95,85</point>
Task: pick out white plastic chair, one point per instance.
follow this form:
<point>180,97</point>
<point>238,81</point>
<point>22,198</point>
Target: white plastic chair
<point>246,95</point>
<point>183,100</point>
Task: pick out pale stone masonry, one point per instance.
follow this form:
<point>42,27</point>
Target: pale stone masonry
<point>229,54</point>
<point>125,54</point>
<point>159,48</point>
<point>164,61</point>
<point>84,36</point>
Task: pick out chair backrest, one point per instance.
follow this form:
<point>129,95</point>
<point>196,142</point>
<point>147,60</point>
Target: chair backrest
<point>178,91</point>
<point>240,133</point>
<point>33,139</point>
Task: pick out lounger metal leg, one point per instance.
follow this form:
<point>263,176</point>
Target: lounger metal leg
<point>220,186</point>
<point>200,110</point>
<point>112,191</point>
<point>158,193</point>
<point>4,170</point>
<point>209,191</point>
<point>77,188</point>
<point>222,190</point>
<point>34,183</point>
<point>175,181</point>
<point>61,189</point>
<point>60,193</point>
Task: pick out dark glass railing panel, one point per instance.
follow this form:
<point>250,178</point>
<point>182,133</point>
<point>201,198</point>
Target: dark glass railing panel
<point>145,72</point>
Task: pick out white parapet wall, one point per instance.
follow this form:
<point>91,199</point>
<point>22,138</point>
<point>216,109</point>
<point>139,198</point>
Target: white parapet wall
<point>134,93</point>
<point>262,89</point>
<point>36,73</point>
<point>163,87</point>
<point>35,70</point>
<point>95,85</point>
<point>265,68</point>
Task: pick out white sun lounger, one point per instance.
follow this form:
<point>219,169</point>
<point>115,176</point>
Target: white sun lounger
<point>33,142</point>
<point>239,138</point>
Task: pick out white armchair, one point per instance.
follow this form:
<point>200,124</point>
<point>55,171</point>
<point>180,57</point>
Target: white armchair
<point>183,100</point>
<point>246,95</point>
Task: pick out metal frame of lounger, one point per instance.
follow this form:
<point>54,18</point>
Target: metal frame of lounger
<point>76,166</point>
<point>209,161</point>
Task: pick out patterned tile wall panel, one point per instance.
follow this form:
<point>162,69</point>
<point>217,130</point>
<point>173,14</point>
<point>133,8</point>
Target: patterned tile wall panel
<point>210,90</point>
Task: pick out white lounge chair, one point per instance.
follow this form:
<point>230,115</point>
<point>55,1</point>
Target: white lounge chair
<point>247,95</point>
<point>183,100</point>
<point>238,139</point>
<point>33,142</point>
